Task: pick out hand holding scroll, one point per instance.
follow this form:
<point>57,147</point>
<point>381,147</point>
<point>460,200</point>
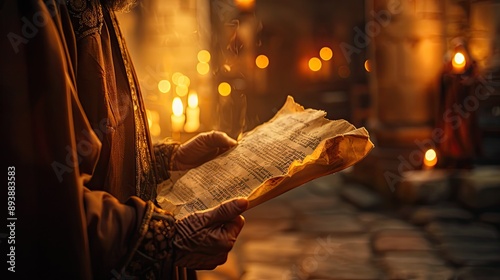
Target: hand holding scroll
<point>203,239</point>
<point>202,148</point>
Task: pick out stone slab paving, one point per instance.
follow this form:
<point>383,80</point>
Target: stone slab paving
<point>426,214</point>
<point>360,196</point>
<point>321,233</point>
<point>390,240</point>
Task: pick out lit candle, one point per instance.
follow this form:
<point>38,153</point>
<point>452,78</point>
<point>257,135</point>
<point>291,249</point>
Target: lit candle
<point>192,113</point>
<point>177,117</point>
<point>458,62</point>
<point>430,159</point>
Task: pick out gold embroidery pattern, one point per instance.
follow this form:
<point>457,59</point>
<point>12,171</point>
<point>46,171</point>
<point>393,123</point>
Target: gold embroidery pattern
<point>153,250</point>
<point>86,17</point>
<point>145,171</point>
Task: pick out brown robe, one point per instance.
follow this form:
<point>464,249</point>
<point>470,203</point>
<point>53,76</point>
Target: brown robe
<point>72,119</point>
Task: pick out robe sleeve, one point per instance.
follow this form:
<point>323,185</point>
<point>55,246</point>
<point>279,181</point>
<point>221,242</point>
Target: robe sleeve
<point>128,240</point>
<point>164,152</point>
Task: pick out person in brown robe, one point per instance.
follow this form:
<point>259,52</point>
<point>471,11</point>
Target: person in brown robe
<point>74,127</point>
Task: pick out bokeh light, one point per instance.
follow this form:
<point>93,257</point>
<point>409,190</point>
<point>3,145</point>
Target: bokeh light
<point>164,86</point>
<point>224,89</point>
<point>326,53</point>
<point>203,68</point>
<point>181,90</point>
<point>262,61</point>
<point>315,64</point>
<point>204,56</point>
<point>184,81</point>
<point>368,65</point>
<point>175,77</point>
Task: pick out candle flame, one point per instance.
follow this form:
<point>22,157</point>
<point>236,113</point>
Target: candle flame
<point>458,60</point>
<point>183,81</point>
<point>176,76</point>
<point>193,100</point>
<point>177,107</point>
<point>430,158</point>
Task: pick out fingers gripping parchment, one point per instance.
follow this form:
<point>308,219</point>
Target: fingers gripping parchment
<point>204,239</point>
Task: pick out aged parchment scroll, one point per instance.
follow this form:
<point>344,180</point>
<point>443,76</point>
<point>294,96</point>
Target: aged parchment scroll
<point>297,145</point>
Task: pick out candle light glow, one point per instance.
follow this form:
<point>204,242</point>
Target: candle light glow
<point>458,62</point>
<point>192,113</point>
<point>262,61</point>
<point>203,68</point>
<point>177,117</point>
<point>326,53</point>
<point>224,89</point>
<point>204,56</point>
<point>164,86</point>
<point>430,159</point>
<point>368,66</point>
<point>315,64</point>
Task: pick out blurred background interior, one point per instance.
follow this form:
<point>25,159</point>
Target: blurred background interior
<point>423,76</point>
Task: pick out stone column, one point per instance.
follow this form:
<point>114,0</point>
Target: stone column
<point>406,46</point>
<point>407,55</point>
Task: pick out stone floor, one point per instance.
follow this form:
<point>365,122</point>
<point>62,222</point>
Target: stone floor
<point>330,229</point>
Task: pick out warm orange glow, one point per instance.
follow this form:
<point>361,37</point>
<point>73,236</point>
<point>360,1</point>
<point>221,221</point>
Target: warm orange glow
<point>164,86</point>
<point>262,61</point>
<point>150,121</point>
<point>184,81</point>
<point>458,60</point>
<point>155,130</point>
<point>224,89</point>
<point>315,64</point>
<point>430,158</point>
<point>204,56</point>
<point>227,67</point>
<point>326,53</point>
<point>245,4</point>
<point>177,116</point>
<point>175,77</point>
<point>177,107</point>
<point>192,113</point>
<point>181,90</point>
<point>193,100</point>
<point>203,68</point>
<point>368,65</point>
<point>153,119</point>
